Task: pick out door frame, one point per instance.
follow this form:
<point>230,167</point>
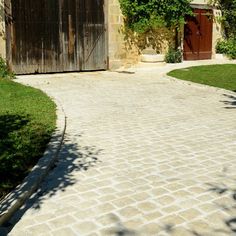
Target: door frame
<point>195,6</point>
<point>8,32</point>
<point>106,21</point>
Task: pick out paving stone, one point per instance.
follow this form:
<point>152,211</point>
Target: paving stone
<point>165,200</point>
<point>172,220</point>
<point>190,214</point>
<point>85,228</point>
<point>129,212</point>
<point>142,153</point>
<point>153,216</point>
<point>38,229</point>
<point>140,196</point>
<point>84,214</point>
<point>151,229</point>
<point>121,202</point>
<point>63,232</point>
<point>104,208</point>
<point>61,221</point>
<point>171,208</point>
<point>147,207</point>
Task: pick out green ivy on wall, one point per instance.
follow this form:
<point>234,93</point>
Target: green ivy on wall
<point>148,17</point>
<point>227,46</point>
<point>228,20</point>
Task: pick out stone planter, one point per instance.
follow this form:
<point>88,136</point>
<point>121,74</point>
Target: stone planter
<point>152,58</point>
<point>219,56</point>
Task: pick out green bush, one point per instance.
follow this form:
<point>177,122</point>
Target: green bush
<point>143,19</point>
<point>5,72</point>
<point>222,47</point>
<point>227,47</point>
<point>173,56</point>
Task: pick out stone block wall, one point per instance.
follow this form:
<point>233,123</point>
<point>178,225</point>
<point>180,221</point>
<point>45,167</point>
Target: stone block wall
<point>2,30</point>
<point>217,30</point>
<point>119,54</point>
<point>217,33</point>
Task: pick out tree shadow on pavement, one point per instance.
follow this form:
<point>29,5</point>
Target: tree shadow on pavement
<point>224,189</point>
<point>230,101</point>
<point>72,158</point>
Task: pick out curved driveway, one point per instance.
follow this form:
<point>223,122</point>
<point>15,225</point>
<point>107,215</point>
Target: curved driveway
<point>143,155</point>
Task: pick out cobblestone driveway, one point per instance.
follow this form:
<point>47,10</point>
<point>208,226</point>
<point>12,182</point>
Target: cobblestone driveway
<point>143,155</point>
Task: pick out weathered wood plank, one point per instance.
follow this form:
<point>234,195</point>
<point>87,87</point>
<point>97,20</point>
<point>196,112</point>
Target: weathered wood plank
<point>56,36</point>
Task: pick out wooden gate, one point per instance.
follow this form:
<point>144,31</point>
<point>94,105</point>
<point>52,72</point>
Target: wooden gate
<point>55,36</point>
<point>198,35</point>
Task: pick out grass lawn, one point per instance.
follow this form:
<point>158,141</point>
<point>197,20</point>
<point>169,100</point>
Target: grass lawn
<point>222,76</point>
<point>27,120</point>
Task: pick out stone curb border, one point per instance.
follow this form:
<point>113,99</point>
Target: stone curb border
<point>14,200</point>
<point>202,86</point>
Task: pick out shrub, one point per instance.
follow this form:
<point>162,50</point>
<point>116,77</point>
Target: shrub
<point>227,47</point>
<point>5,72</point>
<point>173,56</point>
<point>222,47</point>
<point>144,18</point>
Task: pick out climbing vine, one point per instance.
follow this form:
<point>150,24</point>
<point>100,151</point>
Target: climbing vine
<point>148,17</point>
<point>228,8</point>
<point>227,46</point>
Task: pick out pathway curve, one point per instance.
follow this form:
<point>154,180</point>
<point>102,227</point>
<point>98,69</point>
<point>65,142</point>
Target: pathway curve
<point>143,155</point>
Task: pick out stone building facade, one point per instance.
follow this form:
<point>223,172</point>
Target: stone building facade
<point>119,55</point>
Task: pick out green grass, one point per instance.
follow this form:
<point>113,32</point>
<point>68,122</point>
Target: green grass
<point>27,120</point>
<point>221,76</point>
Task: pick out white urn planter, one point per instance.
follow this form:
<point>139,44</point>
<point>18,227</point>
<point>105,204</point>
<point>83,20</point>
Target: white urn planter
<point>152,58</point>
<point>219,56</point>
<point>149,55</point>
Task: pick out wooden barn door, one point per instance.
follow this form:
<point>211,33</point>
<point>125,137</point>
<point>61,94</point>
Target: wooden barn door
<point>198,35</point>
<point>93,35</point>
<point>68,35</point>
<point>55,36</point>
<point>34,36</point>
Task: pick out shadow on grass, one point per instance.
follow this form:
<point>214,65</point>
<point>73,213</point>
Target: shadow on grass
<point>72,158</point>
<point>10,125</point>
<point>22,143</point>
<point>230,102</point>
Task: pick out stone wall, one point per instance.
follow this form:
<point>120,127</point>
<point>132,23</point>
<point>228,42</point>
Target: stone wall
<point>200,1</point>
<point>119,54</point>
<point>2,30</point>
<point>217,30</point>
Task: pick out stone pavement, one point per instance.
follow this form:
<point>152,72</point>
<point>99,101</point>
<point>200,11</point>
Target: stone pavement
<point>143,155</point>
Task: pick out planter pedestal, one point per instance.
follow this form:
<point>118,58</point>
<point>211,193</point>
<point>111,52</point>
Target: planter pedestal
<point>149,55</point>
<point>152,58</point>
<point>219,56</point>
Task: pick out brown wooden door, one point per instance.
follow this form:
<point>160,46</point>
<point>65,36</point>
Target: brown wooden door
<point>198,35</point>
<point>55,36</point>
<point>93,31</point>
